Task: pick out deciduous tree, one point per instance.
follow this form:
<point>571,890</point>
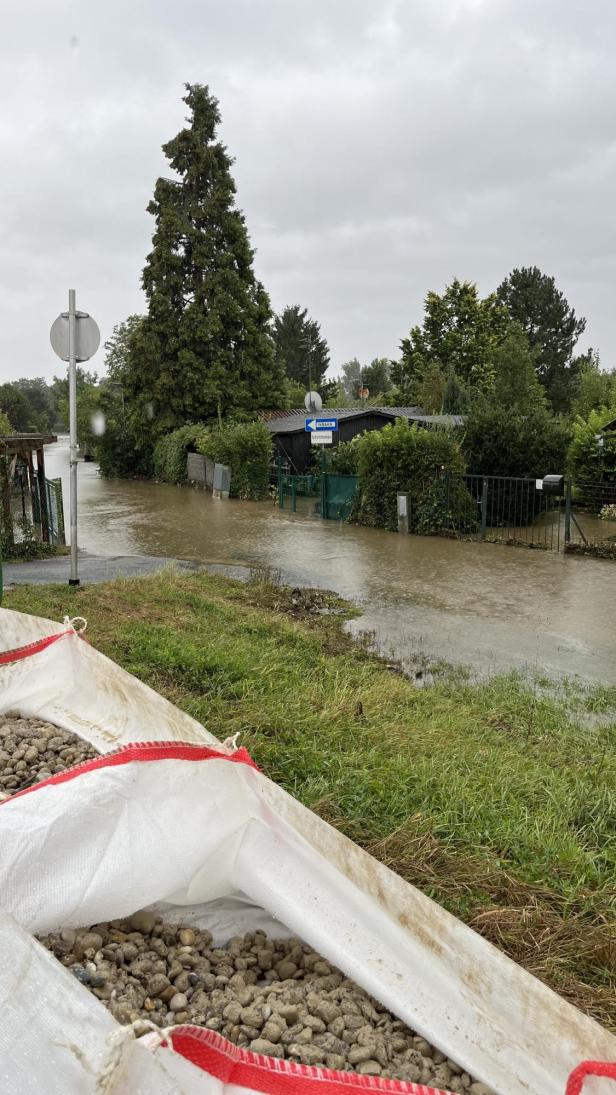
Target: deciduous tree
<point>460,331</point>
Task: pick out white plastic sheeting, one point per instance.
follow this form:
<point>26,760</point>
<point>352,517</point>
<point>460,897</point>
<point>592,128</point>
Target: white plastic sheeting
<point>220,843</point>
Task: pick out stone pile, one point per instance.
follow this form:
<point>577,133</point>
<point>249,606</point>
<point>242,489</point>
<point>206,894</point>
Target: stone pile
<point>275,997</point>
<point>31,750</point>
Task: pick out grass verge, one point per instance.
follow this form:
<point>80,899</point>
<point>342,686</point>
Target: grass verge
<point>489,797</point>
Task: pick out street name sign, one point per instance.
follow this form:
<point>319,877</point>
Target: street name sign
<point>313,425</point>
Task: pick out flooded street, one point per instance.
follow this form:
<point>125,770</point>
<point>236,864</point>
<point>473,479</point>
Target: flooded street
<point>483,605</point>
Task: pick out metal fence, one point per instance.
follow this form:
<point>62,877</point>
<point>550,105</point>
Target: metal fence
<point>503,509</point>
<point>494,508</point>
<point>334,493</point>
<point>506,509</point>
<point>337,496</point>
<point>291,487</point>
<point>55,509</point>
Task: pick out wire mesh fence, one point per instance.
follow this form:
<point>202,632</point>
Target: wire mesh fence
<point>504,509</point>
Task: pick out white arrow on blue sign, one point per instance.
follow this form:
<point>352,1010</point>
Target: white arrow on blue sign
<point>313,424</point>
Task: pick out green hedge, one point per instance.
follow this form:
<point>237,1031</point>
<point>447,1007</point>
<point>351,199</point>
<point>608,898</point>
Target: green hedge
<point>343,459</point>
<point>587,461</point>
<point>170,453</point>
<point>247,448</point>
<point>404,458</point>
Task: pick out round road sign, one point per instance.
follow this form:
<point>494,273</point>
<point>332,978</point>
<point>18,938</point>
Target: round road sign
<point>313,402</point>
<point>87,336</point>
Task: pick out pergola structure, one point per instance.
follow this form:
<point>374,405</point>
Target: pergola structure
<point>24,447</point>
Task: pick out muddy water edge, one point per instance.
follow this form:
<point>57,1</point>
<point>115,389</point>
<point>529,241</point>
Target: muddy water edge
<point>486,606</point>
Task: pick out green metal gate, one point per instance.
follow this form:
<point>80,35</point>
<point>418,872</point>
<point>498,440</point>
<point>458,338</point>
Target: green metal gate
<point>335,493</point>
<point>337,496</point>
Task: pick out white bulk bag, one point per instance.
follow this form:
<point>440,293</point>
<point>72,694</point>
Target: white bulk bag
<point>208,834</point>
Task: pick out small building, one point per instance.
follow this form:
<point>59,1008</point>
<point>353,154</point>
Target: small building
<point>293,443</point>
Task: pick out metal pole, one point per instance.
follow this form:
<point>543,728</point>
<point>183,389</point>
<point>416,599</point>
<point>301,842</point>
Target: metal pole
<point>567,511</point>
<point>484,508</point>
<point>72,399</point>
<point>323,484</point>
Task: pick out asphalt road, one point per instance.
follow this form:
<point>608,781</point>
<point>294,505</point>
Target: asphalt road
<point>92,568</point>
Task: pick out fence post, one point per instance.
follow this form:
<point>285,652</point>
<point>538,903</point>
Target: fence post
<point>5,491</point>
<point>280,485</point>
<point>484,508</point>
<point>40,472</point>
<point>568,486</point>
<point>403,512</point>
<point>323,484</point>
<point>293,494</point>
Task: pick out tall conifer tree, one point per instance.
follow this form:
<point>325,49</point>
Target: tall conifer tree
<point>205,347</point>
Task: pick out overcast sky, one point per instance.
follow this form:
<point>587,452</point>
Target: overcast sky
<point>381,148</point>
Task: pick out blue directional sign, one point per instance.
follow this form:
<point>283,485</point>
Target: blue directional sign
<point>315,424</point>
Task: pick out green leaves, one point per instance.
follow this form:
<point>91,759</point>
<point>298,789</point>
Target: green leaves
<point>460,332</point>
<point>587,460</point>
<point>246,447</point>
<point>400,458</point>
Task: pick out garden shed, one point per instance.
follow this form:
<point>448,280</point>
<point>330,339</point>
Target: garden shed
<point>293,443</point>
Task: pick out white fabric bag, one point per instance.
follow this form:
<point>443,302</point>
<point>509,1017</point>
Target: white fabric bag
<point>207,834</point>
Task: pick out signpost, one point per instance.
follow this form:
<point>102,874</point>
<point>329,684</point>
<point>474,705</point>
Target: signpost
<point>74,337</point>
<point>315,425</point>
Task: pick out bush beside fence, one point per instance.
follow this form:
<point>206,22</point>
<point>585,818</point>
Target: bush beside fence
<point>245,447</point>
<point>404,458</point>
<point>171,450</point>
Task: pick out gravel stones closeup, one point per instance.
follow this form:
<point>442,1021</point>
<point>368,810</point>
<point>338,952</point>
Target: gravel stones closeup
<point>31,751</point>
<point>275,997</point>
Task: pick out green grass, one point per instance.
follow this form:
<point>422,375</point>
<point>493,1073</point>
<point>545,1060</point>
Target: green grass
<point>488,796</point>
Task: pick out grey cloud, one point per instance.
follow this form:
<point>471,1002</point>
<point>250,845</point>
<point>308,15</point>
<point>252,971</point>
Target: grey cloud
<point>380,149</point>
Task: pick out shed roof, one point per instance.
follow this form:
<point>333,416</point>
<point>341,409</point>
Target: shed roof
<point>610,427</point>
<point>18,443</point>
<point>294,421</point>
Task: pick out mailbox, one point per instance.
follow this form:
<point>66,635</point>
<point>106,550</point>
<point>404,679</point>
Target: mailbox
<point>554,484</point>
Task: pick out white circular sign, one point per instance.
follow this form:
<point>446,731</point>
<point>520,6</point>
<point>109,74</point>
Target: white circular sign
<point>87,336</point>
<point>313,402</point>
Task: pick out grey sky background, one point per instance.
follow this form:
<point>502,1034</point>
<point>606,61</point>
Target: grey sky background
<point>381,149</point>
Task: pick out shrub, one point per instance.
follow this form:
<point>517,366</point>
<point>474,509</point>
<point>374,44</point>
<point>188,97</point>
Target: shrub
<point>171,450</point>
<point>343,459</point>
<point>117,456</point>
<point>502,441</point>
<point>587,461</point>
<point>403,458</point>
<point>247,448</point>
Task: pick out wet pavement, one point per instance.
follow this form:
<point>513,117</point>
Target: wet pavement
<point>92,568</point>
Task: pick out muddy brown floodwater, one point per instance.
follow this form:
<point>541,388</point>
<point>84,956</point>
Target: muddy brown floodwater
<point>486,606</point>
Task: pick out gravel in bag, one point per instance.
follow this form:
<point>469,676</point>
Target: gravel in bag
<point>32,750</point>
<point>272,996</point>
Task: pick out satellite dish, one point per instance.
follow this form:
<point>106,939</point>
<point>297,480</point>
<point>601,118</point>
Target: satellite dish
<point>313,402</point>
